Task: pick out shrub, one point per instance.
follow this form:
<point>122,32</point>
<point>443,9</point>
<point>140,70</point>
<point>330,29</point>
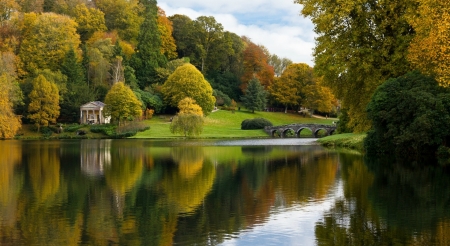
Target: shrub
<point>256,123</point>
<point>107,129</point>
<point>72,128</point>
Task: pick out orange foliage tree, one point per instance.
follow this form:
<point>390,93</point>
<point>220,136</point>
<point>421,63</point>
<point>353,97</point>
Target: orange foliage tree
<point>256,65</point>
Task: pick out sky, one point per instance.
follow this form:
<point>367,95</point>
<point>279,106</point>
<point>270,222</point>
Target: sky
<point>277,25</point>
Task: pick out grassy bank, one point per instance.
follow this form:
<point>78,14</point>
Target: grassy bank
<point>346,140</point>
<point>225,124</point>
<point>219,124</point>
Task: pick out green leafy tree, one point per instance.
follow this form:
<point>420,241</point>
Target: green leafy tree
<point>78,91</point>
<point>359,45</point>
<point>44,102</point>
<point>208,31</point>
<point>183,33</point>
<point>187,81</point>
<point>121,103</point>
<point>189,121</point>
<point>255,97</point>
<point>148,54</point>
<point>409,115</point>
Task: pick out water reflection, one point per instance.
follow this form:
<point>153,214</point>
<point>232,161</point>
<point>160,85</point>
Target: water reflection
<point>141,192</point>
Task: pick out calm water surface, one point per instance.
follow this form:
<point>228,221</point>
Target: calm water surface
<point>240,192</point>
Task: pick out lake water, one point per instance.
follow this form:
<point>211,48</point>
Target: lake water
<point>230,192</point>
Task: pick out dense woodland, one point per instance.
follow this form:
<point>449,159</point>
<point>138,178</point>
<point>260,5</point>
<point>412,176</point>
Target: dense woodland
<point>84,47</point>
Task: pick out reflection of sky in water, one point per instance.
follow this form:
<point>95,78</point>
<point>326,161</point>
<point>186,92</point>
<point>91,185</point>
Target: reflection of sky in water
<point>291,226</point>
<point>238,142</point>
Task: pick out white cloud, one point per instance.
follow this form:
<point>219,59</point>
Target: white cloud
<point>275,24</point>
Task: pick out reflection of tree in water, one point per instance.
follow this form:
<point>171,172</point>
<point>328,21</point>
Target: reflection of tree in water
<point>395,205</point>
<point>43,168</point>
<point>244,197</point>
<point>186,188</point>
<point>256,150</point>
<point>188,159</point>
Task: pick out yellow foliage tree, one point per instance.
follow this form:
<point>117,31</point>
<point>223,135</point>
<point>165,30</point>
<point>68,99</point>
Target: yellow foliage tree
<point>46,40</point>
<point>429,51</point>
<point>189,106</point>
<point>168,47</point>
<point>187,81</point>
<point>189,120</point>
<point>9,122</point>
<point>44,102</point>
<point>122,103</point>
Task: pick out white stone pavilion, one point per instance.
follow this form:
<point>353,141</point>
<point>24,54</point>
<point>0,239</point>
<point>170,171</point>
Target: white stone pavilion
<point>92,113</point>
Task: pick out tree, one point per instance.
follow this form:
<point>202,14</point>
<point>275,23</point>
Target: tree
<point>148,54</point>
<point>124,16</point>
<point>429,49</point>
<point>256,65</point>
<point>183,33</point>
<point>9,122</point>
<point>285,92</point>
<point>359,45</point>
<point>255,97</point>
<point>187,81</point>
<point>189,106</point>
<point>121,103</point>
<point>189,121</point>
<point>207,31</point>
<point>90,20</point>
<point>44,102</point>
<point>168,47</point>
<point>46,40</point>
<point>78,91</point>
<point>409,115</point>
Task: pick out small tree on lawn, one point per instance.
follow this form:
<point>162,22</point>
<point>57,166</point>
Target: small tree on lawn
<point>189,121</point>
<point>255,97</point>
<point>122,103</point>
<point>44,102</point>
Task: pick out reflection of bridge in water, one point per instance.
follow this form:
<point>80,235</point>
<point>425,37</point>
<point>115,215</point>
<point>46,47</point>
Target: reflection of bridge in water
<point>295,130</point>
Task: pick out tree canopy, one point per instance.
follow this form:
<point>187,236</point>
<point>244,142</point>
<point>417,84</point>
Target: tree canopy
<point>360,44</point>
<point>255,97</point>
<point>44,102</point>
<point>410,115</point>
<point>121,103</point>
<point>187,81</point>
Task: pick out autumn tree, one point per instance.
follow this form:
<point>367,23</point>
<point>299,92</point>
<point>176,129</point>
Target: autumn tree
<point>124,16</point>
<point>90,20</point>
<point>285,91</point>
<point>429,49</point>
<point>165,28</point>
<point>9,122</point>
<point>255,64</point>
<point>359,45</point>
<point>121,103</point>
<point>148,54</point>
<point>46,40</point>
<point>189,120</point>
<point>255,97</point>
<point>44,102</point>
<point>187,81</point>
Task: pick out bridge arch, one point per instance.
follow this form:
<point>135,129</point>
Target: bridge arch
<point>282,131</point>
<point>299,131</point>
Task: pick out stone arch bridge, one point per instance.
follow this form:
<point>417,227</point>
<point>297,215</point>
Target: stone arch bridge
<point>283,131</point>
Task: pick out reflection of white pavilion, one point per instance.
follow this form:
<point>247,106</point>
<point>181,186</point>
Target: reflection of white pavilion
<point>95,156</point>
<point>92,113</point>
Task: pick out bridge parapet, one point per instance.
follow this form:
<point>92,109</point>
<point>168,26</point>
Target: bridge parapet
<point>283,130</point>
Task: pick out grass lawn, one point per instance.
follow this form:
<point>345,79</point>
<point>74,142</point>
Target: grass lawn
<point>225,124</point>
<point>346,140</point>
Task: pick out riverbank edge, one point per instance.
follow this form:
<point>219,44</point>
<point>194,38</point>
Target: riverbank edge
<point>354,141</point>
